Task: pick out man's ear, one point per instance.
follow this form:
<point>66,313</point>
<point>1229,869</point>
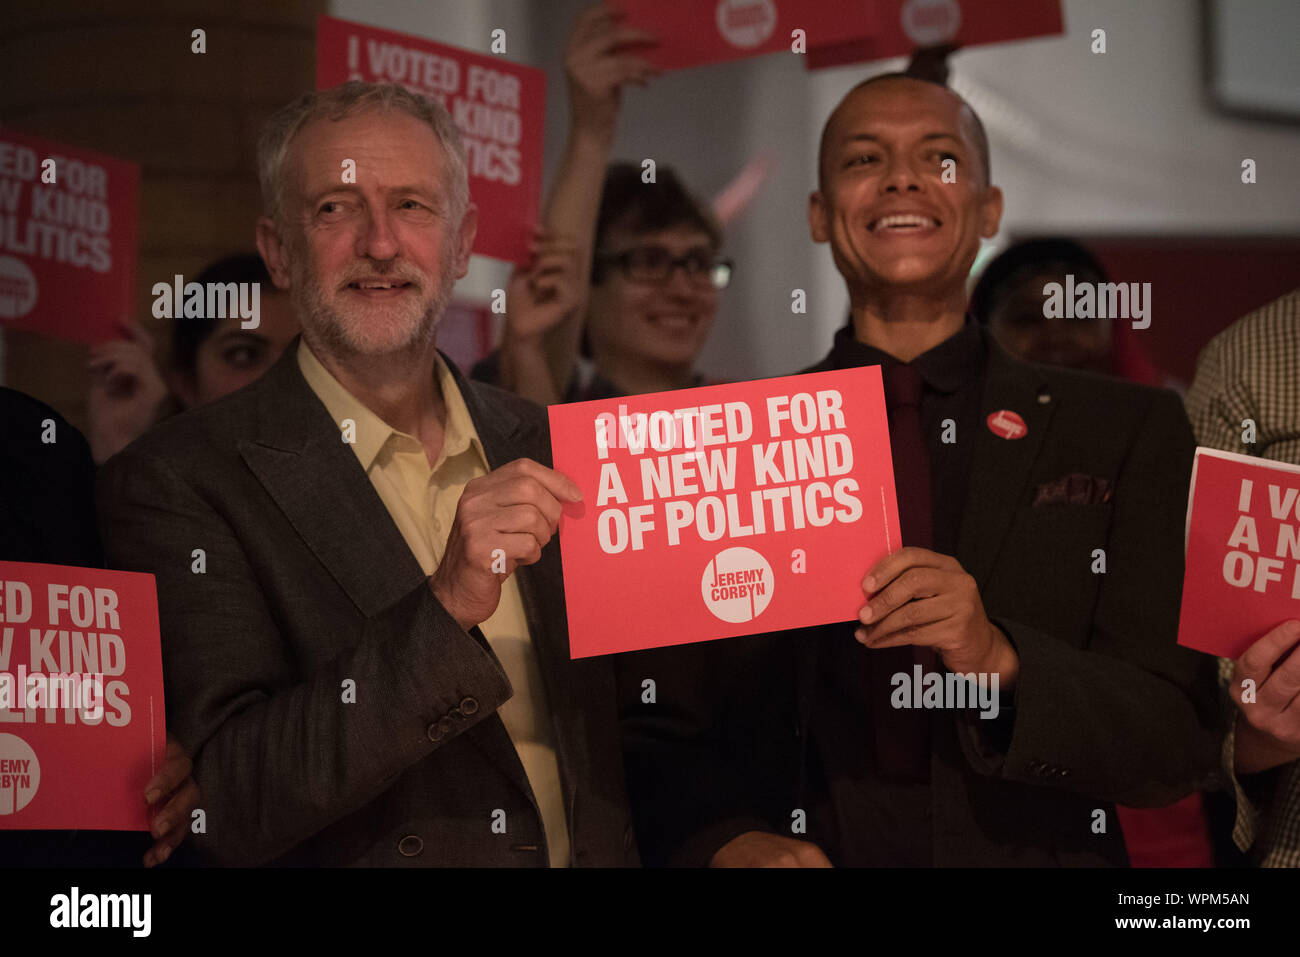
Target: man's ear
<point>990,212</point>
<point>465,240</point>
<point>271,245</point>
<point>817,215</point>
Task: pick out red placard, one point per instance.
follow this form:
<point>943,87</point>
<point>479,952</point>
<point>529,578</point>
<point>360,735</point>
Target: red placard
<point>81,697</point>
<point>906,25</point>
<point>1243,551</point>
<point>696,32</point>
<point>69,222</point>
<point>725,510</point>
<point>498,105</point>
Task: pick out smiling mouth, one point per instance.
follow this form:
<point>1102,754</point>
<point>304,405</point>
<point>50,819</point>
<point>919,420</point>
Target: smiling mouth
<point>670,322</point>
<point>378,285</point>
<point>903,223</point>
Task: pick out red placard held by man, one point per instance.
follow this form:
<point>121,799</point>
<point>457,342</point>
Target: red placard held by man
<point>907,25</point>
<point>69,220</point>
<point>81,697</point>
<point>1242,576</point>
<point>725,510</point>
<point>498,105</point>
<point>695,32</point>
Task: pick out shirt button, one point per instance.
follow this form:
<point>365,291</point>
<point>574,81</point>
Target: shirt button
<point>410,845</point>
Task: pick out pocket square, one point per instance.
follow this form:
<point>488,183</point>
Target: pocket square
<point>1073,489</point>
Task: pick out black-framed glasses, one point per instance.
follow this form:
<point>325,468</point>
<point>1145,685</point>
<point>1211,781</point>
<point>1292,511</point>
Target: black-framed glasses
<point>655,264</point>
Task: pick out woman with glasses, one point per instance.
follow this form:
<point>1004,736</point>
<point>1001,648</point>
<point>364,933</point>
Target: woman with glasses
<point>623,286</point>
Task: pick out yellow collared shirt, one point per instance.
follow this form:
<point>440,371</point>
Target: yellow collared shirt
<point>422,502</point>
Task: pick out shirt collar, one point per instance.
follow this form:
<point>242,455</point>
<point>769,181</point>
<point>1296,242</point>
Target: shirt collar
<point>947,367</point>
<point>372,433</point>
<point>459,433</point>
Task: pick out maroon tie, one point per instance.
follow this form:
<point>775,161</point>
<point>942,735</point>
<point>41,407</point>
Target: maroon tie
<point>903,735</point>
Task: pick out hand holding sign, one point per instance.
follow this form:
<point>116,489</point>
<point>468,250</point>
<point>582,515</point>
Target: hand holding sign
<point>1242,577</point>
<point>174,790</point>
<point>126,392</point>
<point>542,294</point>
<point>598,61</point>
<point>503,520</point>
<point>1266,689</point>
<point>724,510</point>
<point>924,598</point>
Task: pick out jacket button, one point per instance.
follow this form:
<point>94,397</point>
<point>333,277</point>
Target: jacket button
<point>435,732</point>
<point>1034,766</point>
<point>1062,772</point>
<point>468,706</point>
<point>410,845</point>
<point>445,724</point>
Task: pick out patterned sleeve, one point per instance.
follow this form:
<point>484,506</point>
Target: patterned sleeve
<point>1218,402</point>
<point>1251,371</point>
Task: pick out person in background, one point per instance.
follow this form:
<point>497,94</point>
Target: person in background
<point>1097,704</point>
<point>47,515</point>
<point>627,278</point>
<point>1009,298</point>
<point>210,358</point>
<point>1250,373</point>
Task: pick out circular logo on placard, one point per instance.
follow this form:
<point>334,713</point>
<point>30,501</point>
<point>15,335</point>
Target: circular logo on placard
<point>20,774</point>
<point>746,23</point>
<point>737,584</point>
<point>1007,424</point>
<point>17,288</point>
<point>928,23</point>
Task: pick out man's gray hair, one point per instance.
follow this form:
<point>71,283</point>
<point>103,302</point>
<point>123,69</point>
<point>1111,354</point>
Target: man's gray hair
<point>341,102</point>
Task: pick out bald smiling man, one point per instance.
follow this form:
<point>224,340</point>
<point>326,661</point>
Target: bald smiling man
<point>1042,522</point>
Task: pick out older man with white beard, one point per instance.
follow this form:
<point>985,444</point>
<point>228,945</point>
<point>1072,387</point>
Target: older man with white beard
<point>363,637</point>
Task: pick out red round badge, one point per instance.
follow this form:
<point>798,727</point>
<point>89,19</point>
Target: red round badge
<point>1007,424</point>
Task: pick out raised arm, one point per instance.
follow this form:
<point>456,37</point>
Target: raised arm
<point>539,351</point>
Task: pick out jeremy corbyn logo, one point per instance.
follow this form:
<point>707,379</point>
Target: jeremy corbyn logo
<point>746,23</point>
<point>737,585</point>
<point>929,23</point>
<point>20,774</point>
<point>17,288</point>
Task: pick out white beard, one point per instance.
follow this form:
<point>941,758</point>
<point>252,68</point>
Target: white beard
<point>359,328</point>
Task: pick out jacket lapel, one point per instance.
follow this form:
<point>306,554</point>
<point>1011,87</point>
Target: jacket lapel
<point>300,458</point>
<point>1000,467</point>
<point>314,477</point>
<point>505,437</point>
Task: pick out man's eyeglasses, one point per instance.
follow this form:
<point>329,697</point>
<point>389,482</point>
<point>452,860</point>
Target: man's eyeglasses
<point>655,264</point>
